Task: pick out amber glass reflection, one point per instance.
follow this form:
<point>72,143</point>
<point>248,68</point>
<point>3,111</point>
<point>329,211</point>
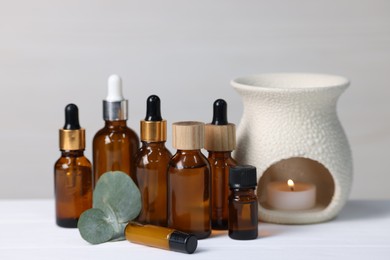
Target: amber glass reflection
<point>189,189</point>
<point>220,163</point>
<point>114,149</point>
<point>148,235</point>
<point>243,215</point>
<point>73,187</point>
<point>152,164</point>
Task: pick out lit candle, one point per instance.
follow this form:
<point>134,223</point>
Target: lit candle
<point>290,195</point>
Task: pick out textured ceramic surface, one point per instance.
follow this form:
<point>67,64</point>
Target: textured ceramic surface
<point>294,115</point>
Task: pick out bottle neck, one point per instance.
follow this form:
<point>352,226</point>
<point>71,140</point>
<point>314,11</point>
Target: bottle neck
<point>239,191</point>
<point>189,152</point>
<point>115,124</point>
<point>189,159</point>
<point>72,153</point>
<point>224,155</point>
<point>153,144</point>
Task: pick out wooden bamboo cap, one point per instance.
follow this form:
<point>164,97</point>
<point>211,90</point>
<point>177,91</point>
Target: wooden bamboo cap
<point>220,138</point>
<point>188,135</point>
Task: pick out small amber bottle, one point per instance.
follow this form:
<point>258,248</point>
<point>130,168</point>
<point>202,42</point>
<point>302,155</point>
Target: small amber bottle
<point>152,164</point>
<point>220,141</point>
<point>161,237</point>
<point>72,172</point>
<point>243,215</point>
<point>189,183</point>
<point>114,146</point>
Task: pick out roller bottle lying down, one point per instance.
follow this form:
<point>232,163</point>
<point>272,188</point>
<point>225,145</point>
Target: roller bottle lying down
<point>161,237</point>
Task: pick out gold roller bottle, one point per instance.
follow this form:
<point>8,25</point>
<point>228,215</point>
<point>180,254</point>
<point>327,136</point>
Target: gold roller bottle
<point>72,172</point>
<point>189,183</point>
<point>151,165</point>
<point>115,145</point>
<point>161,237</point>
<point>220,141</point>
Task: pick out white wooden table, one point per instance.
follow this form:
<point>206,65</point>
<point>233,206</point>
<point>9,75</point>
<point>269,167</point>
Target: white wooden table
<point>361,231</point>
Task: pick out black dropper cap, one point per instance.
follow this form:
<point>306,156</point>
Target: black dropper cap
<point>71,117</point>
<point>153,109</point>
<point>242,176</point>
<point>220,112</point>
<point>182,242</point>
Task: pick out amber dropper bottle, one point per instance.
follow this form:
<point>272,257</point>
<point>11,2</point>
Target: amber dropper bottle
<point>220,141</point>
<point>152,164</point>
<point>243,214</point>
<point>189,183</point>
<point>72,172</point>
<point>161,237</point>
<point>115,145</point>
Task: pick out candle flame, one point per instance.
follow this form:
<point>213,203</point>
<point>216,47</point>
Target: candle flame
<point>290,184</point>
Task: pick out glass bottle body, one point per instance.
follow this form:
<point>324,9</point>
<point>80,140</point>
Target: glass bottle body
<point>220,163</point>
<point>114,149</point>
<point>148,235</point>
<point>189,190</point>
<point>161,237</point>
<point>243,214</point>
<point>72,187</point>
<point>151,179</point>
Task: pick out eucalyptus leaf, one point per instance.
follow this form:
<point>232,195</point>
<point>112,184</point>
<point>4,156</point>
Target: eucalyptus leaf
<point>117,195</point>
<point>116,201</point>
<point>95,227</point>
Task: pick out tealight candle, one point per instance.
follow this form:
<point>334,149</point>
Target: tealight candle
<point>291,196</point>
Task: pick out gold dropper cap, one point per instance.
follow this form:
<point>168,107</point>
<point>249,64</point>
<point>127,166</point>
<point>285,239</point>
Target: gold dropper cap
<point>188,135</point>
<point>153,127</point>
<point>72,136</point>
<point>72,139</point>
<point>154,131</point>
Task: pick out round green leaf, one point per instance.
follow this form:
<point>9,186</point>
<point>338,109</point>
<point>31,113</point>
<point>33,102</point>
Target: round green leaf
<point>117,195</point>
<point>94,226</point>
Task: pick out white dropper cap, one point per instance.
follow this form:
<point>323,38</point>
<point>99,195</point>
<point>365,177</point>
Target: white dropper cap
<point>115,105</point>
<point>114,89</point>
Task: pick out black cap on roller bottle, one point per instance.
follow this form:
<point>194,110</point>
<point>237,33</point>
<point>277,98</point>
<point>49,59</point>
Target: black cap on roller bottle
<point>71,117</point>
<point>182,242</point>
<point>220,112</point>
<point>153,109</point>
<point>242,176</point>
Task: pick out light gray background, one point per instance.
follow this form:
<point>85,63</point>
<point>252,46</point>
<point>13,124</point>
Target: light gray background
<point>56,52</point>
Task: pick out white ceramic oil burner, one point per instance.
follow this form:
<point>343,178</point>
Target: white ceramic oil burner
<point>290,131</point>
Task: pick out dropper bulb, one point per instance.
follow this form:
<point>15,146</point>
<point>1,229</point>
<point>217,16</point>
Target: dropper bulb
<point>220,112</point>
<point>114,89</point>
<point>153,109</point>
<point>71,117</point>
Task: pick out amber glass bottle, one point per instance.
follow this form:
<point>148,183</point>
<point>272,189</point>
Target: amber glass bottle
<point>161,237</point>
<point>243,214</point>
<point>152,164</point>
<point>189,183</point>
<point>114,146</point>
<point>220,141</point>
<point>72,172</point>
